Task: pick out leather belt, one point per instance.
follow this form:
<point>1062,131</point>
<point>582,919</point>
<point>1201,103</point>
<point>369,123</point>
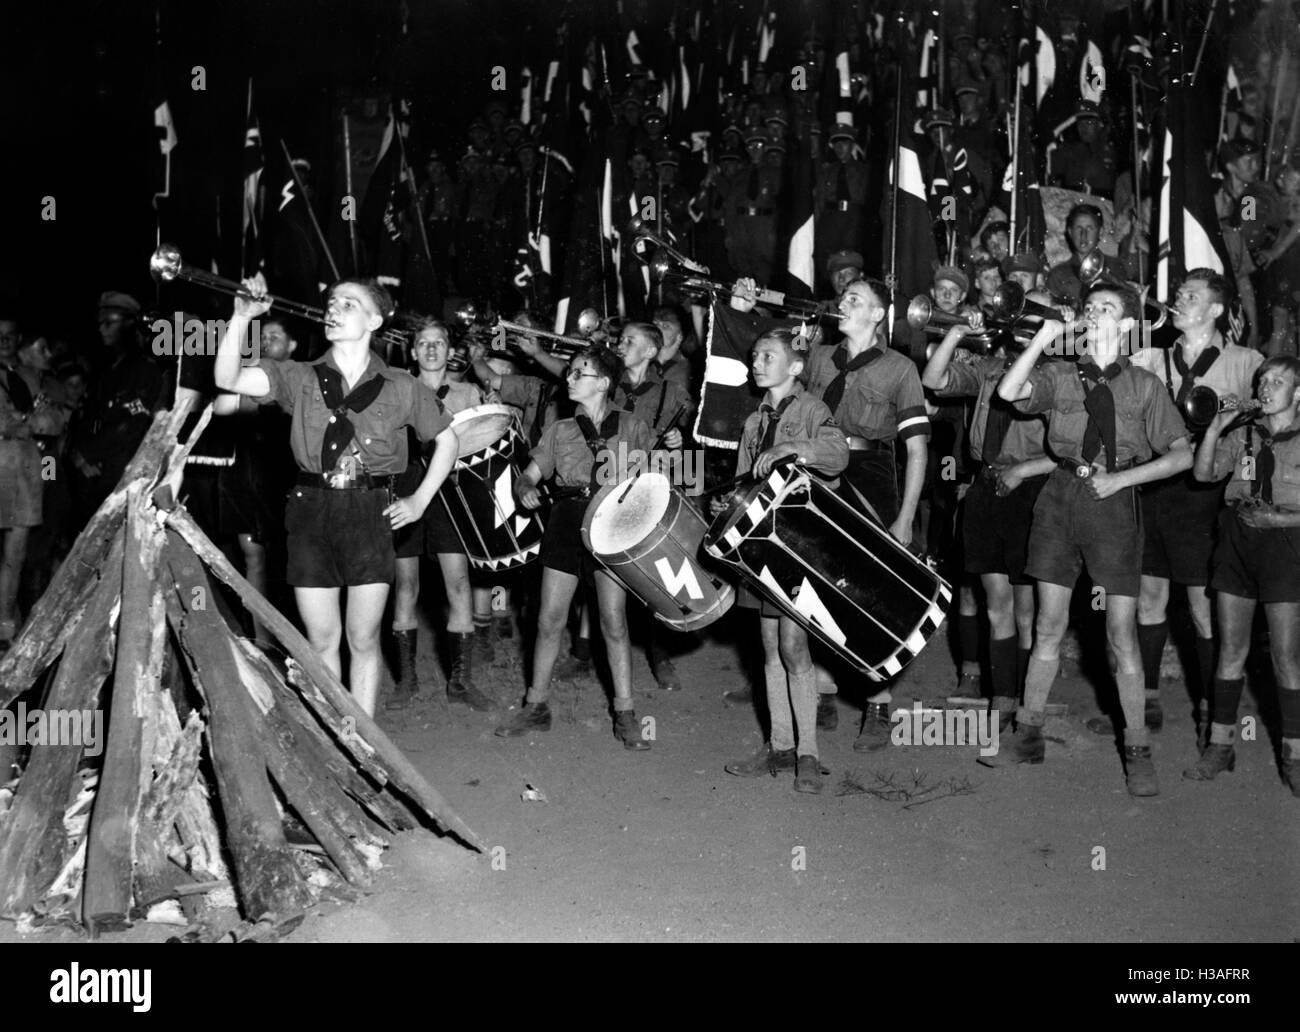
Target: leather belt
<point>754,210</point>
<point>340,482</point>
<point>840,205</point>
<point>1084,470</point>
<point>862,444</point>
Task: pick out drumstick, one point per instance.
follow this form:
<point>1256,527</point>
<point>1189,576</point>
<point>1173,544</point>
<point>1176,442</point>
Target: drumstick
<point>728,485</point>
<point>654,447</point>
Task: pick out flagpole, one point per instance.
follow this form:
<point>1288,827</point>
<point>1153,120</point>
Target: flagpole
<point>1200,51</point>
<point>1015,159</point>
<point>1137,175</point>
<point>415,202</point>
<point>1279,69</point>
<point>1223,113</point>
<point>347,174</point>
<point>893,189</point>
<point>306,201</point>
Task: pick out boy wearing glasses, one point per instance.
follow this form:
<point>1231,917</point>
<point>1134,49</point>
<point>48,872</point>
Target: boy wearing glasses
<point>1106,418</point>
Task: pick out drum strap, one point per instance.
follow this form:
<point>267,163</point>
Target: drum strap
<point>659,411</point>
<point>597,440</point>
<point>1202,365</point>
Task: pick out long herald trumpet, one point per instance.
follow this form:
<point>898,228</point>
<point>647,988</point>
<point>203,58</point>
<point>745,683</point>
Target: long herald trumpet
<point>1091,269</point>
<point>662,269</point>
<point>558,344</point>
<point>166,265</point>
<point>923,315</point>
<point>1202,404</point>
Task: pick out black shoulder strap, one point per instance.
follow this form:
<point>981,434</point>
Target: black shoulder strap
<point>663,394</point>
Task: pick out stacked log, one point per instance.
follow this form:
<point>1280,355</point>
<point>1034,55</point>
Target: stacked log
<point>285,748</point>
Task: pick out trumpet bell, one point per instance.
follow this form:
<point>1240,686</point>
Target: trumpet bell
<point>919,311</point>
<point>1202,404</point>
<point>661,266</point>
<point>467,314</point>
<point>588,322</point>
<point>1091,267</point>
<point>165,264</point>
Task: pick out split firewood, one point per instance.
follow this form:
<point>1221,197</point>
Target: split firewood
<point>267,879</point>
<point>32,838</point>
<point>106,898</point>
<point>359,733</point>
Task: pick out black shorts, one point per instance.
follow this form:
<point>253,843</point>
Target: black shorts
<point>873,475</point>
<point>1178,520</point>
<point>338,538</point>
<point>995,531</point>
<point>562,547</point>
<point>440,537</point>
<point>1072,529</point>
<point>408,541</point>
<point>1262,563</point>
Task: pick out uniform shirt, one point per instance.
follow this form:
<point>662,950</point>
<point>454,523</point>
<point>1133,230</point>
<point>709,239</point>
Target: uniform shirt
<point>827,187</point>
<point>979,380</point>
<point>1233,371</point>
<point>676,371</point>
<point>882,401</point>
<point>807,422</point>
<point>1145,419</point>
<point>457,397</point>
<point>1230,457</point>
<point>403,401</point>
<point>532,397</point>
<point>655,401</point>
<point>737,200</point>
<point>563,451</point>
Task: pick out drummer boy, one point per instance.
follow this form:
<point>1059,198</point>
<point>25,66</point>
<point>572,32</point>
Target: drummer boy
<point>789,423</point>
<point>348,412</point>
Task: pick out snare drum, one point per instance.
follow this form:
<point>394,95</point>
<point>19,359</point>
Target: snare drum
<point>479,494</point>
<point>647,535</point>
<point>835,572</point>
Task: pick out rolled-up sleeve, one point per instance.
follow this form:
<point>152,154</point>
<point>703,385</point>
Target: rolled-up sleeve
<point>1042,383</point>
<point>964,380</point>
<point>912,420</point>
<point>285,377</point>
<point>1227,454</point>
<point>544,451</point>
<point>1164,425</point>
<point>828,451</point>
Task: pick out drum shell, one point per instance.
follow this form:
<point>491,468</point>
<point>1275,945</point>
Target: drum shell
<point>493,538</point>
<point>836,572</point>
<point>664,569</point>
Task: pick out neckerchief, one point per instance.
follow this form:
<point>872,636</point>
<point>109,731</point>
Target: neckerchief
<point>1100,404</point>
<point>630,393</point>
<point>597,440</point>
<point>1265,463</point>
<point>19,393</point>
<point>834,393</point>
<point>1199,368</point>
<point>773,418</point>
<point>339,432</point>
<point>842,184</point>
<point>997,423</point>
<point>752,190</point>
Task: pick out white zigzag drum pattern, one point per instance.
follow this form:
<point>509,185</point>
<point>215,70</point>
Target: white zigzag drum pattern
<point>648,535</point>
<point>837,573</point>
<point>479,493</point>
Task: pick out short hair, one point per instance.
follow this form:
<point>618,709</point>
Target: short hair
<point>1215,283</point>
<point>274,318</point>
<point>877,288</point>
<point>994,227</point>
<point>1129,300</point>
<point>794,344</point>
<point>1084,208</point>
<point>1285,364</point>
<point>650,330</point>
<point>420,323</point>
<point>669,313</point>
<point>379,296</point>
<point>607,364</point>
<point>984,265</point>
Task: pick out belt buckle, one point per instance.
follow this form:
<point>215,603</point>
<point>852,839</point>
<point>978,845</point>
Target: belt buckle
<point>752,210</point>
<point>1083,471</point>
<point>844,205</point>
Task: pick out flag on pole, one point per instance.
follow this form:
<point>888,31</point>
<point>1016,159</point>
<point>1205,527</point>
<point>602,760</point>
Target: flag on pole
<point>166,130</point>
<point>799,261</point>
<point>251,256</point>
<point>917,256</point>
<point>727,396</point>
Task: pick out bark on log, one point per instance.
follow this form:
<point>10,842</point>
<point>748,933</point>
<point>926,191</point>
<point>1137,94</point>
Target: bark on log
<point>110,850</point>
<point>267,879</point>
<point>365,735</point>
<point>55,617</point>
<point>32,838</point>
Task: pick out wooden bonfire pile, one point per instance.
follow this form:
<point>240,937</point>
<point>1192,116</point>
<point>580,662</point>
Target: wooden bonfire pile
<point>212,748</point>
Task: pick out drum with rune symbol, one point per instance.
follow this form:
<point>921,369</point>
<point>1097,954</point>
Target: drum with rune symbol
<point>647,535</point>
<point>833,570</point>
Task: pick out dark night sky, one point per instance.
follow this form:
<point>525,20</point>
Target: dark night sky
<point>79,95</point>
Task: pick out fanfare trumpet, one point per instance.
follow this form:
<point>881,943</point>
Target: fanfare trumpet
<point>663,268</point>
<point>166,265</point>
<point>922,315</point>
<point>1202,404</point>
<point>1093,267</point>
<point>558,345</point>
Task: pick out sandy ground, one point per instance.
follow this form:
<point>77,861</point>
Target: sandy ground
<point>906,844</point>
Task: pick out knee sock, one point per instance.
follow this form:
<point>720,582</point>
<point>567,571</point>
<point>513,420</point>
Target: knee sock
<point>1288,701</point>
<point>803,700</point>
<point>968,638</point>
<point>1002,672</point>
<point>1204,667</point>
<point>885,696</point>
<point>1022,665</point>
<point>1039,678</point>
<point>825,682</point>
<point>778,706</point>
<point>1151,646</point>
<point>1227,698</point>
